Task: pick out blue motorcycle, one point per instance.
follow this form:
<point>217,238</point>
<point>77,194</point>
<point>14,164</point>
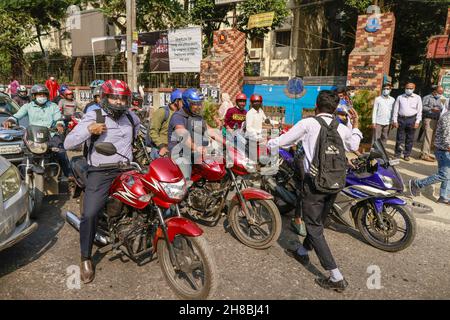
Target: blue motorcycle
<point>371,202</point>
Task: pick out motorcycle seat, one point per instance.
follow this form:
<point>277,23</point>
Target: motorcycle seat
<point>80,168</point>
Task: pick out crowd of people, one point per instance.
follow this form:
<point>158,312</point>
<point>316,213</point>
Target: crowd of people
<point>180,131</point>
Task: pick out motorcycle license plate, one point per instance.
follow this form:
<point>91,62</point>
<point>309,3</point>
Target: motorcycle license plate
<point>394,162</point>
<point>10,149</point>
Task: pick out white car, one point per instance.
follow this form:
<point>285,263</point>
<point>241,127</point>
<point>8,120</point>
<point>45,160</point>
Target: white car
<point>15,206</point>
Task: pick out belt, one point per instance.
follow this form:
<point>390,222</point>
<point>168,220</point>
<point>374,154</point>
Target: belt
<point>407,117</point>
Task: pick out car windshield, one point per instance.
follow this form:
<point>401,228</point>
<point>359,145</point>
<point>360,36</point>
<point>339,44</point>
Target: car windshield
<point>8,107</point>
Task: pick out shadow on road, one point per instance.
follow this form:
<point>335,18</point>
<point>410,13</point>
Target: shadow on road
<point>31,248</point>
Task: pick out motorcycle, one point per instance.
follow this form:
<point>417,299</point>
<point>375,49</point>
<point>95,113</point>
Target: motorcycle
<point>72,121</point>
<point>142,217</point>
<point>39,169</point>
<point>252,214</point>
<point>371,202</point>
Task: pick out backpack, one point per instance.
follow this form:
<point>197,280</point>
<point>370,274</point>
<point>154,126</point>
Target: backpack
<point>148,139</point>
<point>329,165</point>
<point>99,118</point>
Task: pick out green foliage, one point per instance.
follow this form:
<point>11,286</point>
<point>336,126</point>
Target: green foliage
<point>210,112</point>
<point>251,7</point>
<point>363,104</point>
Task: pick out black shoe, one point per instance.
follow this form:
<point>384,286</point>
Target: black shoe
<point>444,201</point>
<point>413,188</point>
<point>326,283</point>
<point>304,260</point>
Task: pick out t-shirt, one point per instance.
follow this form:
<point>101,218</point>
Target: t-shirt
<point>253,122</point>
<point>68,107</point>
<point>235,116</point>
<point>195,125</point>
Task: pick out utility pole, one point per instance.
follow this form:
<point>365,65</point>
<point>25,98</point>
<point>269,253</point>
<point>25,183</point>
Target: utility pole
<point>131,57</point>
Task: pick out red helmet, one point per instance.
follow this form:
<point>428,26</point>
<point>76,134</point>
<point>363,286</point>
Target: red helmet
<point>67,92</point>
<point>115,89</point>
<point>256,98</point>
<point>241,96</point>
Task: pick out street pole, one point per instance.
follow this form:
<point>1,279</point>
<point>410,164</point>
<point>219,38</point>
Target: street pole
<point>131,57</point>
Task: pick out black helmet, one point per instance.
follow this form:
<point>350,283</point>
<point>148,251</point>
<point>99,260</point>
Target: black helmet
<point>39,88</point>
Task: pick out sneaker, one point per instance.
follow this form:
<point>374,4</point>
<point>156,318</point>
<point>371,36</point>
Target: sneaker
<point>304,260</point>
<point>406,158</point>
<point>298,228</point>
<point>326,283</point>
<point>443,201</point>
<point>414,190</point>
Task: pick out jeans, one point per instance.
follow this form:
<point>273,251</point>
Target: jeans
<point>442,175</point>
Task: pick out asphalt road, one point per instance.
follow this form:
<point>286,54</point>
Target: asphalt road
<point>37,268</point>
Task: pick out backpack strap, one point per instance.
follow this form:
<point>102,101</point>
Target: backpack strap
<point>99,118</point>
<point>130,118</point>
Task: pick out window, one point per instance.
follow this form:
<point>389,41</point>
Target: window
<point>282,38</point>
<point>257,43</point>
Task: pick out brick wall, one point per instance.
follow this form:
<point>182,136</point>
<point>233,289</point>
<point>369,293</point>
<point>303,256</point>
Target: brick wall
<point>371,56</point>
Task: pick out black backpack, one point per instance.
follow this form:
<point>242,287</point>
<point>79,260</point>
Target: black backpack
<point>100,118</point>
<point>329,165</point>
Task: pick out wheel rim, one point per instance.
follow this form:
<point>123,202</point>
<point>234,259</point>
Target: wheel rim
<point>263,226</point>
<point>397,226</point>
<point>191,278</point>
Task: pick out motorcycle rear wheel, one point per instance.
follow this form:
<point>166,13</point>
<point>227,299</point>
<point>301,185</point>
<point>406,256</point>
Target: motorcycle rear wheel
<point>366,224</point>
<point>243,230</point>
<point>198,277</point>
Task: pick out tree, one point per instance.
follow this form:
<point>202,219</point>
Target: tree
<point>251,7</point>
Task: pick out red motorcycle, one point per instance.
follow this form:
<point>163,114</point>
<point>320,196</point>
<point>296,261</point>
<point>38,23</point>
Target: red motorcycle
<point>252,213</point>
<point>142,217</point>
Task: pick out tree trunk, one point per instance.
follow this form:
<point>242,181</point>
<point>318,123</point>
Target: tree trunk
<point>76,71</point>
<point>16,62</point>
<point>38,31</point>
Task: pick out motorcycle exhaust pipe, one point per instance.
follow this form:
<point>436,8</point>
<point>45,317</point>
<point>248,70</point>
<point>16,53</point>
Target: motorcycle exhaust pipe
<point>74,221</point>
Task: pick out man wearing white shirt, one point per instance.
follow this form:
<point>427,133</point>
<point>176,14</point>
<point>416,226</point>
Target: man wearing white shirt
<point>406,117</point>
<point>255,117</point>
<point>316,205</point>
<point>382,114</point>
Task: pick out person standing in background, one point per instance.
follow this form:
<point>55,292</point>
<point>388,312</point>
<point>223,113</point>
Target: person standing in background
<point>53,87</point>
<point>13,87</point>
<point>382,114</point>
<point>433,106</point>
<point>406,117</point>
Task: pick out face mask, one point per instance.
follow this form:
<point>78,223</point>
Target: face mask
<point>386,92</point>
<point>41,100</point>
<point>409,91</point>
<point>437,96</point>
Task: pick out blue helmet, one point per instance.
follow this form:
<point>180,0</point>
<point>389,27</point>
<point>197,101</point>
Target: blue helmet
<point>94,84</point>
<point>63,88</point>
<point>176,94</point>
<point>191,96</point>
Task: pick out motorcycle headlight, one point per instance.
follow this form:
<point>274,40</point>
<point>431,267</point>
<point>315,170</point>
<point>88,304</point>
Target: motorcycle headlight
<point>10,182</point>
<point>37,147</point>
<point>175,190</point>
<point>388,182</point>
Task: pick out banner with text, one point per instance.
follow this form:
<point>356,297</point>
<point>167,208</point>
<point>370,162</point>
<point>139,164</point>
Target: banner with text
<point>185,49</point>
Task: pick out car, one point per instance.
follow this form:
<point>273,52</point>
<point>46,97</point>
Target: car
<point>11,140</point>
<point>15,206</point>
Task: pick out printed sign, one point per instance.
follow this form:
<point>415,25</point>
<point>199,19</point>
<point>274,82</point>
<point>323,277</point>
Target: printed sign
<point>261,20</point>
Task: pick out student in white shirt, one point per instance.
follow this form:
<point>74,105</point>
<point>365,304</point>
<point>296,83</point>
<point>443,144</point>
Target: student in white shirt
<point>316,205</point>
<point>383,107</point>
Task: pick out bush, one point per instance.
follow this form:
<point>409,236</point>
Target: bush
<point>363,104</point>
<point>210,112</point>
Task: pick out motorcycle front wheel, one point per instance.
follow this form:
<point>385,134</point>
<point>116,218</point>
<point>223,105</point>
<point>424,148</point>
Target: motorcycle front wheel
<point>264,231</point>
<point>197,277</point>
<point>36,189</point>
<point>399,231</point>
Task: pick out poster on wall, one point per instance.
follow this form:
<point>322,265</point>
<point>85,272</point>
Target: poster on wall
<point>177,50</point>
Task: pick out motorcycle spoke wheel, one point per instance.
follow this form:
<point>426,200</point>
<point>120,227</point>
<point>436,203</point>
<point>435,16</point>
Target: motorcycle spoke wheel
<point>265,228</point>
<point>196,276</point>
<point>397,233</point>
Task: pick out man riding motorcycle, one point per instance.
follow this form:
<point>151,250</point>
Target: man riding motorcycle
<point>22,96</point>
<point>236,115</point>
<point>42,112</point>
<point>120,127</point>
<point>94,104</point>
<point>159,125</point>
<point>61,91</point>
<point>68,106</point>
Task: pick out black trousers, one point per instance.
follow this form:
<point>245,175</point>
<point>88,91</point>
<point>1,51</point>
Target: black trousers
<point>405,134</point>
<point>316,207</point>
<point>95,196</point>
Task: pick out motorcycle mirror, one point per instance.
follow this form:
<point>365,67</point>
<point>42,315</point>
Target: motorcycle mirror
<point>375,154</point>
<point>105,148</point>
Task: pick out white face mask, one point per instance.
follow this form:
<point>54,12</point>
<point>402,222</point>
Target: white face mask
<point>409,91</point>
<point>41,100</point>
<point>386,92</point>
